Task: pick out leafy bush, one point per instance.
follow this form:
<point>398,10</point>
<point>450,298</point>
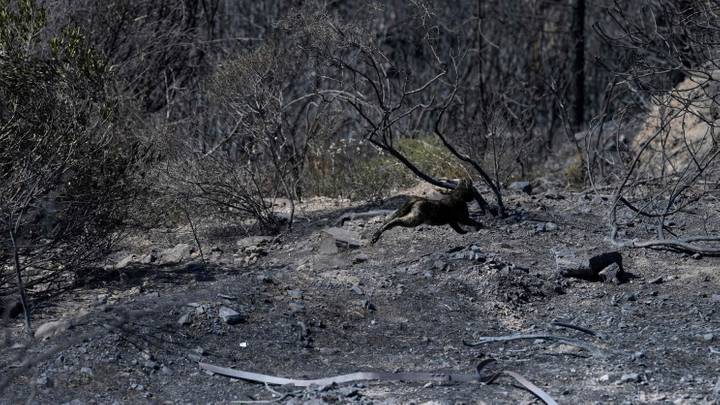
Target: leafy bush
<point>353,169</point>
<point>67,159</point>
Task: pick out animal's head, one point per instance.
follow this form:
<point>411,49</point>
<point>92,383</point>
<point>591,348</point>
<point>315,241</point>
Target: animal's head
<point>464,190</point>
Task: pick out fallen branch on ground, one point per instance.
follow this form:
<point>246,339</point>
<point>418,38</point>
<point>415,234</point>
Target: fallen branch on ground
<point>384,376</point>
<point>350,216</point>
<point>596,351</point>
<point>680,244</point>
<point>578,328</point>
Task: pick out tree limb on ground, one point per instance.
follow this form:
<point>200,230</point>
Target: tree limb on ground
<point>384,376</point>
<point>595,351</point>
<point>350,216</point>
<point>686,245</point>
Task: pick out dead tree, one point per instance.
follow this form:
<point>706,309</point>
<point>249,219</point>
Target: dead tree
<point>664,170</point>
<point>389,100</point>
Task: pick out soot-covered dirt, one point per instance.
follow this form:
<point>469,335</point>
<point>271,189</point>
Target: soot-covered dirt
<point>308,309</point>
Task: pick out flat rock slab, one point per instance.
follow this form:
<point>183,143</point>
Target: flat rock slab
<point>230,316</point>
<point>586,266</point>
<point>254,241</point>
<point>174,255</point>
<point>343,237</point>
<point>523,186</point>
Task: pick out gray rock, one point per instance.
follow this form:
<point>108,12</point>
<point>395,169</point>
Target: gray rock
<point>474,253</point>
<point>296,307</point>
<point>605,378</point>
<point>295,294</point>
<point>571,263</point>
<point>148,258</point>
<point>44,381</point>
<point>230,316</point>
<point>612,274</point>
<point>199,308</point>
<point>151,365</point>
<point>523,186</point>
<point>546,227</point>
<point>52,328</point>
<point>369,305</point>
<point>629,377</point>
<point>656,280</point>
<point>174,255</point>
<point>327,246</point>
<point>439,265</point>
<point>87,371</point>
<point>343,237</point>
<point>255,251</point>
<point>631,297</point>
<point>126,261</point>
<point>361,258</point>
<point>357,290</point>
<point>10,306</point>
<point>254,241</point>
<point>185,319</point>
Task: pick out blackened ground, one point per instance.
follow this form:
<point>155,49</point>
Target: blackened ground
<point>406,303</point>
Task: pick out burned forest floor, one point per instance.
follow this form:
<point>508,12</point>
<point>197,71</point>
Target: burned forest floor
<point>303,305</point>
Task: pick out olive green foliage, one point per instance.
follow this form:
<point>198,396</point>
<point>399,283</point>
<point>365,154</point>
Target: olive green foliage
<point>21,22</point>
<point>576,173</point>
<point>66,160</point>
<point>354,170</point>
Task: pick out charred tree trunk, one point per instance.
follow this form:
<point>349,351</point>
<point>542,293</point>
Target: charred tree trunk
<point>579,63</point>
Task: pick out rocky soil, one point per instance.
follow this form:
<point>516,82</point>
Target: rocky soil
<point>305,305</point>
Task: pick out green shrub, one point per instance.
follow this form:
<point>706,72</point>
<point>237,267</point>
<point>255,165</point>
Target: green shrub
<point>358,171</point>
<point>576,173</point>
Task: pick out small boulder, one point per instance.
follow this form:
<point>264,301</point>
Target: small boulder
<point>523,186</point>
<point>343,237</point>
<point>546,227</point>
<point>612,274</point>
<point>254,242</point>
<point>52,328</point>
<point>11,307</point>
<point>570,263</point>
<point>185,319</point>
<point>629,378</point>
<point>361,258</point>
<point>296,307</point>
<point>295,294</point>
<point>174,255</point>
<point>656,280</point>
<point>126,261</point>
<point>230,316</point>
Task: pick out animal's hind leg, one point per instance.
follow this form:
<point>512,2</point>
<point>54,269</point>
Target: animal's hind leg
<point>457,228</point>
<point>402,211</point>
<point>388,225</point>
<point>471,222</point>
<point>409,220</point>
